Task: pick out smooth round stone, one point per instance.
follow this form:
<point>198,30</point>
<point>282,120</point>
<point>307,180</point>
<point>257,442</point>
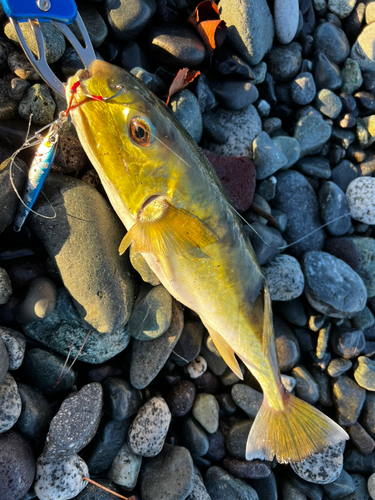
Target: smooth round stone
<point>188,347</point>
<point>290,492</point>
<point>267,188</point>
<point>241,128</point>
<point>347,342</point>
<point>354,461</point>
<point>4,360</point>
<point>70,429</point>
<point>43,369</point>
<point>266,487</point>
<point>39,302</point>
<point>328,103</point>
<point>61,479</point>
<point>348,398</point>
<point>102,450</point>
<point>332,287</point>
<point>95,25</point>
<point>221,485</point>
<point>128,18</point>
<point>312,133</point>
<point>213,131</point>
<point>98,279</point>
<point>15,344</point>
<point>364,374</point>
<point>18,88</point>
<point>194,437</point>
<point>327,73</point>
<point>361,439</point>
<point>266,242</point>
<point>368,416</point>
<point>332,41</point>
<point>36,413</point>
<point>140,265</point>
<point>180,398</point>
<point>10,403</point>
<point>247,398</point>
<point>342,8</point>
<point>226,63</point>
<point>333,204</point>
<point>363,50</point>
<point>371,486</point>
<point>286,17</point>
<point>244,469</point>
<point>226,403</point>
<point>216,450</point>
<point>204,94</point>
<point>169,476</point>
<point>206,411</point>
<point>125,468</point>
<point>5,286</point>
<point>38,102</point>
<point>361,199</point>
<point>321,468</point>
<point>365,100</point>
<point>351,76</point>
<point>364,319</point>
<point>149,428</point>
<point>267,157</point>
<point>151,316</point>
<point>342,137</point>
<point>133,56</point>
<point>288,382</point>
<point>339,366</point>
<point>365,131</point>
<point>20,65</point>
<point>303,89</point>
<point>264,108</point>
<point>184,105</point>
<point>236,438</point>
<point>341,487</point>
<point>148,358</point>
<point>121,400</point>
<point>176,45</point>
<point>197,367</point>
<point>153,82</point>
<point>284,278</point>
<point>293,190</point>
<point>65,327</point>
<point>17,465</point>
<point>344,173</point>
<point>250,28</point>
<point>234,95</point>
<point>54,41</point>
<point>199,489</point>
<point>315,166</point>
<point>306,387</point>
<point>292,311</point>
<point>92,492</point>
<point>284,62</point>
<point>272,125</point>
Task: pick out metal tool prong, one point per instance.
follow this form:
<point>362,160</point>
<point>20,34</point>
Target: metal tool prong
<point>86,54</point>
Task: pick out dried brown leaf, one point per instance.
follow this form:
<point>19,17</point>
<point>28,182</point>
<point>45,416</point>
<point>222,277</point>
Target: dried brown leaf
<point>181,80</point>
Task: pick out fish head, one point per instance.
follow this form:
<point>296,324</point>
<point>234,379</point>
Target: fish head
<point>139,150</point>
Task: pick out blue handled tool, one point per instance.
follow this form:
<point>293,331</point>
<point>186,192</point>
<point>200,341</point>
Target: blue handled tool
<point>63,11</point>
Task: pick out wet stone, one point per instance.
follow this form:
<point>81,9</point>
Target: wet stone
<point>169,476</point>
<point>288,351</point>
<point>339,366</point>
<point>327,74</point>
<point>267,157</point>
<point>347,342</point>
<point>364,374</point>
<point>332,41</point>
<point>75,424</point>
<point>306,387</point>
<point>234,95</point>
<point>221,485</point>
<point>266,242</point>
<point>247,398</point>
<point>245,469</point>
<point>125,468</point>
<point>284,278</point>
<point>189,345</point>
<point>194,437</point>
<point>180,398</point>
<point>10,403</point>
<point>328,103</point>
<point>361,195</point>
<point>36,413</point>
<point>236,438</point>
<point>333,204</point>
<point>284,62</point>
<point>348,295</point>
<point>351,76</point>
<point>361,439</point>
<point>303,89</point>
<point>121,400</point>
<point>348,398</point>
<point>127,19</point>
<point>344,173</point>
<point>185,107</point>
<point>321,468</point>
<point>342,486</point>
<point>149,428</point>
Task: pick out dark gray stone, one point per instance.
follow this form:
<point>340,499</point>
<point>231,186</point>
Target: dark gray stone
<point>266,487</point>
<point>194,437</point>
<point>36,413</point>
<point>236,438</point>
<point>347,342</point>
<point>284,62</point>
<point>121,400</point>
<point>328,103</point>
<point>234,94</point>
<point>333,204</point>
<point>339,366</point>
<point>10,403</point>
<point>332,41</point>
<point>4,361</point>
<point>189,345</point>
<point>327,73</point>
<point>315,166</point>
<point>288,351</point>
<point>247,398</point>
<point>364,374</point>
<point>92,492</point>
<point>185,107</point>
<point>266,156</point>
<point>153,82</point>
<point>349,399</point>
<point>221,486</point>
<point>38,102</point>
<point>344,173</point>
<point>128,18</point>
<point>342,486</point>
<point>8,199</point>
<point>303,89</point>
<point>180,398</point>
<point>15,344</point>
<point>306,387</point>
<point>312,132</point>
<point>266,242</point>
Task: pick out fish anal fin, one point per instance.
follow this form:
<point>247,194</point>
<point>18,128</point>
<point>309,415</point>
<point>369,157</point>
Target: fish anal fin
<point>226,352</point>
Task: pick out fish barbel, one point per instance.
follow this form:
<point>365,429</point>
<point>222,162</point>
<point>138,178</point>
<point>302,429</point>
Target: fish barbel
<point>178,217</point>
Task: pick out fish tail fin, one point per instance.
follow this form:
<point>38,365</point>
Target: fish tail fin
<point>293,434</point>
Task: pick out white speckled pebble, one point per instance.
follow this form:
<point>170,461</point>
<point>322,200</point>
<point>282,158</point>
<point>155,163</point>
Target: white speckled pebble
<point>10,403</point>
<point>5,286</point>
<point>15,343</point>
<point>371,486</point>
<point>284,278</point>
<point>199,491</point>
<point>361,199</point>
<point>322,468</point>
<point>149,428</point>
<point>60,479</point>
<point>125,467</point>
<point>197,367</point>
<point>286,15</point>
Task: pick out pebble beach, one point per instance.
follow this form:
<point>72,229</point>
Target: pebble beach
<point>284,109</point>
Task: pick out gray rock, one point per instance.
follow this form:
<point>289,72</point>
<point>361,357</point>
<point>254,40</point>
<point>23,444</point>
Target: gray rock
<point>348,398</point>
<point>267,188</point>
<point>364,374</point>
<point>361,199</point>
<point>328,103</point>
<point>293,311</point>
<point>234,95</point>
<point>151,314</point>
<point>322,468</point>
<point>8,107</point>
<point>184,105</point>
<point>4,361</point>
<point>92,492</point>
<point>121,400</point>
<point>290,492</point>
<point>284,62</point>
<point>38,102</point>
<point>327,73</point>
<point>125,468</point>
<point>360,492</point>
<point>333,204</point>
<point>5,286</point>
<point>241,128</point>
<point>284,278</point>
<point>140,265</point>
<point>194,437</point>
<point>20,65</point>
<point>206,411</point>
<point>347,342</point>
<point>267,242</point>
<point>98,279</point>
<point>342,486</point>
<point>247,398</point>
<point>199,490</point>
<point>267,157</point>
<point>39,302</point>
<point>332,287</point>
<point>8,199</point>
<point>221,486</point>
<point>127,19</point>
<point>342,8</point>
<point>286,16</point>
<point>312,133</point>
<point>371,485</point>
<point>306,387</point>
<point>15,344</point>
<point>344,173</point>
<point>61,479</point>
<point>250,28</point>
<point>363,50</point>
<point>365,131</point>
<point>148,358</point>
<point>351,76</point>
<point>315,166</point>
<point>10,403</point>
<point>65,327</point>
<point>236,438</point>
<point>354,461</point>
<point>169,476</point>
<point>339,366</point>
<point>364,319</point>
<point>153,82</point>
<point>95,25</point>
<point>54,41</point>
<point>149,428</point>
<point>75,424</point>
<point>332,41</point>
<point>36,413</point>
<point>303,89</point>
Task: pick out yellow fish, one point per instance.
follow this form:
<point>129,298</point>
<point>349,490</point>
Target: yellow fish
<point>177,216</point>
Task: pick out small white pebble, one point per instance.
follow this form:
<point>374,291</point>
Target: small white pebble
<point>371,486</point>
<point>197,367</point>
<point>361,199</point>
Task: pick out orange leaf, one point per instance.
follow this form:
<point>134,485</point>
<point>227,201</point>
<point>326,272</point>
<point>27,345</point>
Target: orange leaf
<point>181,80</point>
<point>206,20</point>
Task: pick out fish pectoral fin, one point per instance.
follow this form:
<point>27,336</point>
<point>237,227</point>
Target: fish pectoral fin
<point>268,333</point>
<point>226,352</point>
<point>173,232</point>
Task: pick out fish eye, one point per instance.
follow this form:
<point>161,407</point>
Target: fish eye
<point>142,131</point>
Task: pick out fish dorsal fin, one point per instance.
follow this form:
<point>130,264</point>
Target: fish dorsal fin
<point>166,230</point>
<point>268,330</point>
<point>226,352</point>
